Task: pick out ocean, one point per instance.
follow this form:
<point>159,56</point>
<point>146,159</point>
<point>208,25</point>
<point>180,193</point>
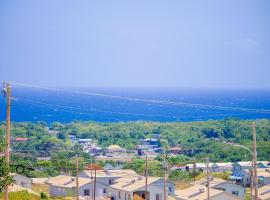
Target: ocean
<point>62,106</point>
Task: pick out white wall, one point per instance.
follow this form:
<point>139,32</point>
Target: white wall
<point>230,187</point>
<point>22,180</point>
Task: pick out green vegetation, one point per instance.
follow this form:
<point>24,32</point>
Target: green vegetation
<point>197,139</point>
<point>5,178</point>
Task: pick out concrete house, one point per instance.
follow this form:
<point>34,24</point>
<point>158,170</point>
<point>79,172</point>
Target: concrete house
<point>198,192</point>
<point>66,186</point>
<point>221,167</point>
<point>127,188</point>
<point>22,180</point>
<point>107,177</point>
<point>223,185</point>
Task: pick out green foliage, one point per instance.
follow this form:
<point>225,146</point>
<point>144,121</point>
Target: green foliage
<point>197,139</point>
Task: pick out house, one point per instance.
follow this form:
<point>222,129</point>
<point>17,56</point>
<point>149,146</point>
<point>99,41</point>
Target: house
<point>66,186</point>
<point>197,166</point>
<point>264,192</point>
<point>22,180</point>
<point>84,141</point>
<point>221,167</point>
<point>197,192</point>
<point>150,141</point>
<point>239,171</point>
<point>93,149</point>
<point>128,188</point>
<point>20,139</point>
<point>115,151</point>
<point>223,185</point>
<point>107,177</point>
<point>175,150</point>
<point>144,149</point>
<point>262,173</point>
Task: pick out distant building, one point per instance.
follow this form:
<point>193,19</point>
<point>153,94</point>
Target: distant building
<point>115,151</point>
<point>262,173</point>
<point>85,141</point>
<point>22,180</point>
<point>20,139</point>
<point>239,171</point>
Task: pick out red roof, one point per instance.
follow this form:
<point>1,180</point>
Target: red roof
<point>21,139</point>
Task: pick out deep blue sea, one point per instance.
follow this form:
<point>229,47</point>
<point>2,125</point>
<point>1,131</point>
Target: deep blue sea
<point>46,105</point>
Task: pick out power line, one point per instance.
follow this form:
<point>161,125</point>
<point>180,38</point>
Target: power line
<point>80,111</point>
<point>154,101</point>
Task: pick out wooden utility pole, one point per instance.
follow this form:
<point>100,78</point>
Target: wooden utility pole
<point>7,93</point>
<point>77,178</point>
<point>95,181</point>
<point>255,160</point>
<point>208,178</point>
<point>251,183</point>
<point>146,176</point>
<point>165,168</point>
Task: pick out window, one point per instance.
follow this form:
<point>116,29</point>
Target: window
<point>119,195</point>
<point>170,189</point>
<point>157,196</point>
<point>125,196</point>
<point>110,181</point>
<point>235,192</point>
<point>104,191</point>
<point>86,192</point>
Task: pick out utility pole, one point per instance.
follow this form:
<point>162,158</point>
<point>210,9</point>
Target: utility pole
<point>91,170</point>
<point>95,180</point>
<point>77,178</point>
<point>6,90</point>
<point>208,178</point>
<point>251,183</point>
<point>165,168</point>
<point>255,160</point>
<point>146,176</point>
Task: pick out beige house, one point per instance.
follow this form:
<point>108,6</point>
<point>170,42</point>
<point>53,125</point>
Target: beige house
<point>107,177</point>
<point>198,192</point>
<point>133,188</point>
<point>115,150</point>
<point>66,186</point>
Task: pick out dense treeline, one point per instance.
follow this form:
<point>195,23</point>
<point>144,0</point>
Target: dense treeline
<point>198,139</point>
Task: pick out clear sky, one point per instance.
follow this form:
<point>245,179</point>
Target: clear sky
<point>136,43</point>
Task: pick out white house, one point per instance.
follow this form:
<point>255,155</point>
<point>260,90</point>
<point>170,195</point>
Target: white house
<point>66,186</point>
<point>221,167</point>
<point>198,192</point>
<point>134,188</point>
<point>107,177</point>
<point>22,180</point>
<point>223,185</point>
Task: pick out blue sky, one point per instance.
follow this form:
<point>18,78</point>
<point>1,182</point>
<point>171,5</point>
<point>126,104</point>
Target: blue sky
<point>125,43</point>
